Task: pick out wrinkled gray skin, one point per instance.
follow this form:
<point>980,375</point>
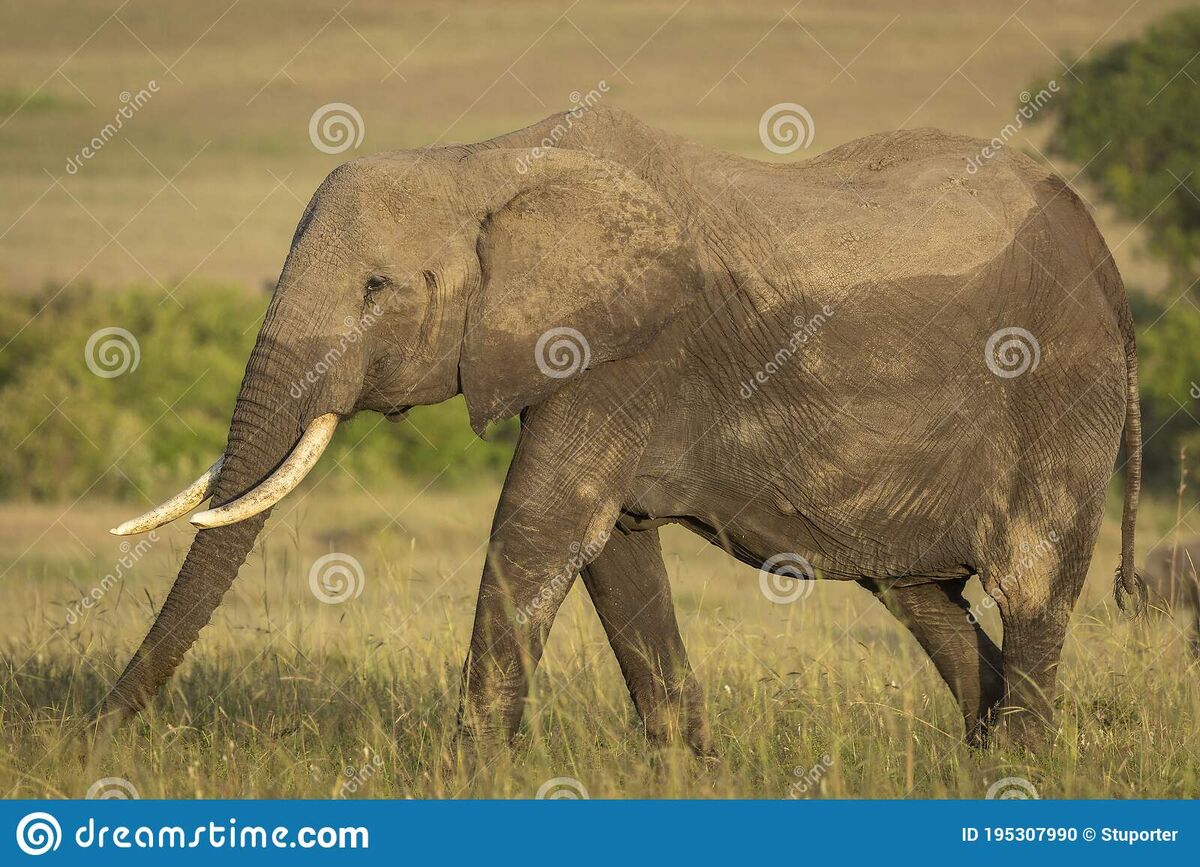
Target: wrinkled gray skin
<point>1174,583</point>
<point>884,449</point>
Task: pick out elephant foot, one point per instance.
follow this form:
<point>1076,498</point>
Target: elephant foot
<point>1022,729</point>
<point>680,722</point>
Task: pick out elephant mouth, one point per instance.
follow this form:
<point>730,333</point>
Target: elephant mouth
<point>397,415</point>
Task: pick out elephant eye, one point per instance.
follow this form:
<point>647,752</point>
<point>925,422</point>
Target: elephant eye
<point>375,283</point>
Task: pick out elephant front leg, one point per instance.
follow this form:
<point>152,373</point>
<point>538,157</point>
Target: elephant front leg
<point>521,591</point>
<point>555,515</point>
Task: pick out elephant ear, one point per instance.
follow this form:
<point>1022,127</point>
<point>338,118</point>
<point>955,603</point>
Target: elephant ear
<point>581,262</point>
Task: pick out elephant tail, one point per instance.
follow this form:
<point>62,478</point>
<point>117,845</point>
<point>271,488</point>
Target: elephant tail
<point>1129,589</point>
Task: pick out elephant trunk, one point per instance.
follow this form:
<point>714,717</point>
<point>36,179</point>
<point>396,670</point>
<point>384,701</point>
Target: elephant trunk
<point>266,425</point>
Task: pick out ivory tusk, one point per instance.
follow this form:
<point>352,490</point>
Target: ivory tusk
<point>281,482</point>
<point>180,504</point>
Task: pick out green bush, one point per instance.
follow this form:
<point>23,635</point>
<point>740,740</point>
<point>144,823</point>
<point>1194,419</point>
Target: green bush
<point>1169,374</point>
<point>71,432</point>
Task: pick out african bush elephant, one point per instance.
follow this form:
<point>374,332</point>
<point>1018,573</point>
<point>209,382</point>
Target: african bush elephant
<point>1173,581</point>
<point>879,362</point>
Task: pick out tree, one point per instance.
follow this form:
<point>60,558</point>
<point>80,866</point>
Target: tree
<point>1130,117</point>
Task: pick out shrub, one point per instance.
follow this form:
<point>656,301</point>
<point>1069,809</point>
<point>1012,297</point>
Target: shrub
<point>72,432</point>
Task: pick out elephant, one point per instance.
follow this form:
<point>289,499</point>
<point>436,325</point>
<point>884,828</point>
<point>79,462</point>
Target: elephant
<point>897,363</point>
<point>1172,582</point>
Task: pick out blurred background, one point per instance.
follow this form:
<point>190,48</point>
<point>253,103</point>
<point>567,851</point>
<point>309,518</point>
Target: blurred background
<point>153,165</point>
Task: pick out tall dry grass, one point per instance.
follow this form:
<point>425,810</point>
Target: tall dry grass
<point>286,696</point>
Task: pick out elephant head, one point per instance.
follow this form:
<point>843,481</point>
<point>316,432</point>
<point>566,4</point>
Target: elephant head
<point>411,278</point>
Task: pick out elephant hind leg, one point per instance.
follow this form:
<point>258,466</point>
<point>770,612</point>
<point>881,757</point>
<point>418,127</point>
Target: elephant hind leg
<point>967,659</point>
<point>1036,594</point>
<point>632,595</point>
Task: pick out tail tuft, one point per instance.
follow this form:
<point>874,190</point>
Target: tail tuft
<point>1130,592</point>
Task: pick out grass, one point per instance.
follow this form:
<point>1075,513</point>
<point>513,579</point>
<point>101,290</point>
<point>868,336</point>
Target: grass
<point>288,696</point>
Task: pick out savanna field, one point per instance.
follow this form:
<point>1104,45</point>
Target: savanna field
<point>332,668</point>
